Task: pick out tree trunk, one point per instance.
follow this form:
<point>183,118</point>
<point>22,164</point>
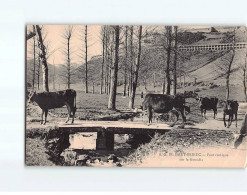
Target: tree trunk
<point>163,85</point>
<point>67,37</point>
<point>154,80</point>
<point>103,62</point>
<point>93,88</point>
<point>184,83</point>
<point>131,61</point>
<point>180,79</point>
<point>38,71</point>
<point>114,72</point>
<point>244,78</point>
<point>110,70</point>
<point>135,80</point>
<point>107,76</point>
<point>68,65</point>
<point>174,86</point>
<point>229,69</point>
<point>168,79</point>
<point>126,60</point>
<point>145,83</point>
<point>86,83</point>
<point>107,63</point>
<point>54,74</point>
<point>244,86</point>
<point>228,77</point>
<point>30,35</point>
<point>34,58</point>
<point>44,62</point>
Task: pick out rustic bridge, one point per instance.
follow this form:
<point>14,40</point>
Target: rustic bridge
<point>105,130</point>
<point>214,47</point>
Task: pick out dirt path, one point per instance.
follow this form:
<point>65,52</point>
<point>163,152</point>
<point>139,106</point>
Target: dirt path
<point>218,123</point>
<point>139,122</point>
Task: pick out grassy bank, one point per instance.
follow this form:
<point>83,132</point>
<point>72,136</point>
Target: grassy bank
<point>36,153</point>
<point>177,141</point>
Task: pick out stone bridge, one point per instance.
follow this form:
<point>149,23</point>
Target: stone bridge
<point>105,131</point>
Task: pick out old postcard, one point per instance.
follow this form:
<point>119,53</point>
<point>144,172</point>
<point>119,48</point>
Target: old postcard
<point>136,96</point>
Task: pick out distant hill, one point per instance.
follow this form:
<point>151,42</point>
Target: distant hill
<point>204,66</point>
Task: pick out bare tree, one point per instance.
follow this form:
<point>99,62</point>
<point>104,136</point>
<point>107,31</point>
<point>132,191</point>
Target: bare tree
<point>136,70</point>
<point>174,80</point>
<point>30,34</point>
<point>86,52</point>
<point>244,69</point>
<point>228,72</point>
<point>67,35</point>
<point>34,57</point>
<point>126,60</point>
<point>44,59</point>
<point>108,46</point>
<point>107,61</point>
<point>112,45</point>
<point>103,39</point>
<point>110,55</point>
<point>243,72</point>
<point>131,61</point>
<point>167,79</point>
<point>225,66</point>
<point>114,72</point>
<point>38,70</point>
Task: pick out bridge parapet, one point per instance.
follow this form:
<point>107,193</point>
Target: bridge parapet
<point>214,47</point>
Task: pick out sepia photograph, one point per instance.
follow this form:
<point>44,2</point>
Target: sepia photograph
<point>136,96</point>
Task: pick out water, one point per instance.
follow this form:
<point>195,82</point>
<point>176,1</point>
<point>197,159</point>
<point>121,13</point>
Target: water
<point>87,141</point>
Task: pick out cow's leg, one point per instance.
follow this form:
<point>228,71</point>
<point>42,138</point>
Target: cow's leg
<point>201,111</point>
<point>230,120</point>
<point>157,119</point>
<point>69,112</point>
<point>41,122</point>
<point>183,117</point>
<point>73,117</point>
<point>150,115</point>
<point>204,113</point>
<point>215,112</point>
<point>170,118</point>
<point>224,119</point>
<point>46,112</point>
<point>236,118</point>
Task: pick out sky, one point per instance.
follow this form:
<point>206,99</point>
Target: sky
<point>56,42</point>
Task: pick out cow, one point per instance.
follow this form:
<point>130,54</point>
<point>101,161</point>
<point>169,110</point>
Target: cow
<point>51,100</point>
<point>160,103</point>
<point>230,108</point>
<point>208,104</point>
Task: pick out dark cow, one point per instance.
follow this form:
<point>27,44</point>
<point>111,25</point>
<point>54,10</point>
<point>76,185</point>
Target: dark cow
<point>230,108</point>
<point>160,103</point>
<point>208,104</point>
<point>58,99</point>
